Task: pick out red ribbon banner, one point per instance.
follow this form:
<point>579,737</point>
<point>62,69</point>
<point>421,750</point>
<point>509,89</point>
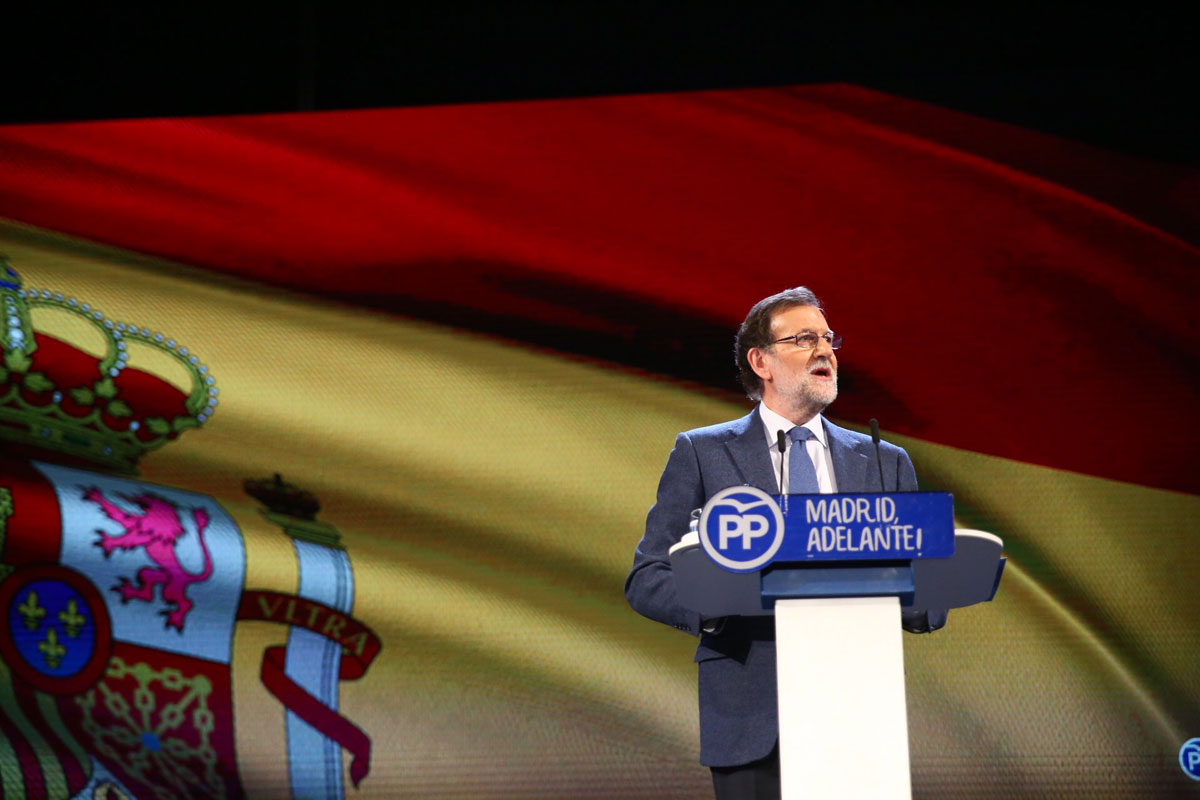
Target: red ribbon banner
<point>359,644</point>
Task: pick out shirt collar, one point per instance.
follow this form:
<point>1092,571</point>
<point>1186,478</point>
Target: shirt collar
<point>773,423</point>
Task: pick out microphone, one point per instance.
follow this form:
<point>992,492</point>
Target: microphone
<point>874,423</point>
<point>782,440</point>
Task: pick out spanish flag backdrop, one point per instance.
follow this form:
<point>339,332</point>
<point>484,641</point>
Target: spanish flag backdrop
<point>328,437</point>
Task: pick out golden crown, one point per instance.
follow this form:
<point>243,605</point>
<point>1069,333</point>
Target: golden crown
<point>57,398</point>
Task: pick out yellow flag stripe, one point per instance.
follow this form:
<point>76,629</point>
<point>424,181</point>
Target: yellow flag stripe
<point>1168,728</point>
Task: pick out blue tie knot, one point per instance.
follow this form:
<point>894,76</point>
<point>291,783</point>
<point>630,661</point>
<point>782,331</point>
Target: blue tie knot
<point>800,434</point>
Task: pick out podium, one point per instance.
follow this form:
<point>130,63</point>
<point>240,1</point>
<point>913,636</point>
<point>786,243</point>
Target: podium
<point>838,593</point>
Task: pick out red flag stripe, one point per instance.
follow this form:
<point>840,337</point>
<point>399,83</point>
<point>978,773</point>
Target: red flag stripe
<point>991,301</point>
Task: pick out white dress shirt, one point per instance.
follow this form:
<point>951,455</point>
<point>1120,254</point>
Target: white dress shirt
<point>817,447</point>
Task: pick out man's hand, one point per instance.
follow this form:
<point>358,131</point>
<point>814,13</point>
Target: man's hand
<point>923,621</point>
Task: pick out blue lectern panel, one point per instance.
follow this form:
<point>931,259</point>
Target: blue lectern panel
<point>744,529</point>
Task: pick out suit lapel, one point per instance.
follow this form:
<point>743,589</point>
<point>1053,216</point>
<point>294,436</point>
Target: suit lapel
<point>748,448</point>
<point>851,467</point>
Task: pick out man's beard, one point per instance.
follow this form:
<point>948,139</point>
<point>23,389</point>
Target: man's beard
<point>807,394</point>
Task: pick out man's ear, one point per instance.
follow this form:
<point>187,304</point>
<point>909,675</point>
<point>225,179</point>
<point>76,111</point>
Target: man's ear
<point>758,362</point>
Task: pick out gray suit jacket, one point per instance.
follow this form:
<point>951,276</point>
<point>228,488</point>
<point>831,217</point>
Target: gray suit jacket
<point>738,697</point>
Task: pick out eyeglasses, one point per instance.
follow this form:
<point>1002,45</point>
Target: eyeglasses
<point>807,340</point>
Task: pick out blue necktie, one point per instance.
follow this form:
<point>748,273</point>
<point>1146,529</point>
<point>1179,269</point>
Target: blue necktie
<point>802,476</point>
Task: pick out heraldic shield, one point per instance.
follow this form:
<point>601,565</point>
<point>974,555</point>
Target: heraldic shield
<point>120,598</point>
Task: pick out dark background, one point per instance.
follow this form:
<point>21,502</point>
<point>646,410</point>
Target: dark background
<point>1120,76</point>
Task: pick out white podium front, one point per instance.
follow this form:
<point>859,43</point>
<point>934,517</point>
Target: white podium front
<point>843,726</point>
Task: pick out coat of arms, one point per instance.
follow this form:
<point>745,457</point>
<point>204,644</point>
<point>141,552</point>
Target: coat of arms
<point>120,598</point>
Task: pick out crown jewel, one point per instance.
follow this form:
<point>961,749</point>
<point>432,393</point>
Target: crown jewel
<point>58,398</point>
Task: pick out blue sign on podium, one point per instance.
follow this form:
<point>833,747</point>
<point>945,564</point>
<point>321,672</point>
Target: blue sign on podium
<point>744,529</point>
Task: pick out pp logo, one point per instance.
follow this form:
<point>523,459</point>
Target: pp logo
<point>1189,758</point>
<point>741,528</point>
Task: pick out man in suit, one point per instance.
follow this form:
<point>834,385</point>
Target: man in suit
<point>787,361</point>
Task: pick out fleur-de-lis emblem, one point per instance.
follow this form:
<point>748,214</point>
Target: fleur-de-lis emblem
<point>52,651</point>
<point>31,612</point>
<point>71,619</point>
